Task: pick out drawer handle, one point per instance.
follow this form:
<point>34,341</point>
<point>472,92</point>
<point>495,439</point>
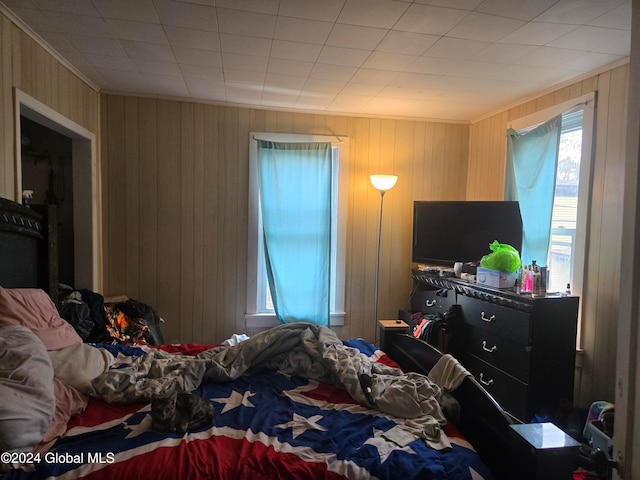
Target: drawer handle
<point>485,382</point>
<point>487,349</point>
<point>430,303</point>
<point>490,319</point>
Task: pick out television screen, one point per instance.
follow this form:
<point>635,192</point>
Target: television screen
<point>445,232</point>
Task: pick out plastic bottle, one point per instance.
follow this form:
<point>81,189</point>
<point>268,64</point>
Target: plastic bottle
<point>568,290</point>
<point>535,279</point>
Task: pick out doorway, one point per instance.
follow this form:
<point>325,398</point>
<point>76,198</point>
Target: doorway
<point>67,150</point>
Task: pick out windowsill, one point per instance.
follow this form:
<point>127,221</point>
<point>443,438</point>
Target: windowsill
<point>267,320</point>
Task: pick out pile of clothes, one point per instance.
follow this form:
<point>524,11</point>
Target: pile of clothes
<point>127,322</point>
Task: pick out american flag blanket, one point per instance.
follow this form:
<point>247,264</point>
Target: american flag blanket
<point>267,424</point>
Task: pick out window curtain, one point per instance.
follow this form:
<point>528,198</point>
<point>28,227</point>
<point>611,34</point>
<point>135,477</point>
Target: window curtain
<point>530,179</point>
<point>295,198</point>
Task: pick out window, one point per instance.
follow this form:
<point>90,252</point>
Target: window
<point>568,239</point>
<point>260,311</point>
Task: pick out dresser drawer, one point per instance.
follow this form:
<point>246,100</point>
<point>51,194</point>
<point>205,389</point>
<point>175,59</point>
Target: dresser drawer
<point>432,301</point>
<point>499,320</point>
<point>508,391</point>
<point>512,357</point>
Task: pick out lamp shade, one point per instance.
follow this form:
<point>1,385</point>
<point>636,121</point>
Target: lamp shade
<point>383,182</point>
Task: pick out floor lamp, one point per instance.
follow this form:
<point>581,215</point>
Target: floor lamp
<point>382,183</point>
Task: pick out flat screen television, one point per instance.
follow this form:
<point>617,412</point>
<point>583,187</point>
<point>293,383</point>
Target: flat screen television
<point>445,232</point>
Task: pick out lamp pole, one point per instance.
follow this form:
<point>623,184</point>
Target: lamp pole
<point>382,183</point>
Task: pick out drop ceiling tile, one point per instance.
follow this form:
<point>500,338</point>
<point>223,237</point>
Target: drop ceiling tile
<point>279,99</point>
<point>503,52</point>
<point>244,76</point>
<point>98,45</point>
<point>620,46</point>
<point>458,4</point>
<point>77,59</point>
<point>538,33</point>
<point>243,93</point>
<point>324,86</point>
<point>306,31</point>
<point>389,61</point>
<point>161,68</point>
<point>245,45</point>
<point>479,26</point>
<point>346,102</point>
<point>357,88</point>
<point>519,10</point>
<point>246,23</point>
<point>289,67</point>
<point>148,51</point>
<point>166,85</point>
<point>60,42</point>
<point>332,72</point>
<point>143,32</point>
<point>138,11</point>
<point>577,12</point>
<point>295,51</point>
<point>548,57</point>
<point>436,66</point>
<point>258,6</point>
<point>353,36</point>
<point>416,81</point>
<point>105,63</point>
<point>188,15</point>
<point>200,39</point>
<point>429,20</point>
<point>616,18</point>
<point>406,43</point>
<point>326,11</point>
<point>371,76</point>
<point>76,7</point>
<point>349,57</point>
<point>205,89</point>
<point>123,81</point>
<point>279,82</point>
<point>455,48</point>
<point>78,24</point>
<point>587,38</point>
<point>317,101</point>
<point>236,61</point>
<point>202,72</point>
<point>589,61</point>
<point>194,56</point>
<point>372,13</point>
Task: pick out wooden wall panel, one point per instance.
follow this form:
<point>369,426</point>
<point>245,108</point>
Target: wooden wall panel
<point>25,65</point>
<point>191,169</point>
<point>599,302</point>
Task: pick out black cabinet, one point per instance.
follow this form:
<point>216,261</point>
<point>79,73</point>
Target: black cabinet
<point>522,349</point>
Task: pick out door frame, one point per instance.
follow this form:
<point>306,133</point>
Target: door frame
<point>85,182</point>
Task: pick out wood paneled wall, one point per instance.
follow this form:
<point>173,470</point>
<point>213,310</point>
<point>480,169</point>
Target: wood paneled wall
<point>26,65</point>
<point>175,182</point>
<point>601,290</point>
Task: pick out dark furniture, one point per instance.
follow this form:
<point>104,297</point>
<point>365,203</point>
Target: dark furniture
<point>389,328</point>
<point>521,349</point>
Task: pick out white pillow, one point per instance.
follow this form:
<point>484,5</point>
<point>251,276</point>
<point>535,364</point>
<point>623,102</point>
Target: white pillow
<point>26,389</point>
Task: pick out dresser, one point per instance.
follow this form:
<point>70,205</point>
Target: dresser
<point>522,349</point>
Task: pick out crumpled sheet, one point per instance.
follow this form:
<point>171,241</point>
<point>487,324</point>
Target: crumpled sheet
<point>301,349</point>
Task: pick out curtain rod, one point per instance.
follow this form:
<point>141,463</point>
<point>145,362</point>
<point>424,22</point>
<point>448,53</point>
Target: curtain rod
<point>312,134</point>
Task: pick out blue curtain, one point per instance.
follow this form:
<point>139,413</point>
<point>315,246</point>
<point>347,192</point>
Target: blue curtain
<point>295,197</point>
<point>530,179</point>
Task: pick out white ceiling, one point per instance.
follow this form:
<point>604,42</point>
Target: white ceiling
<point>451,60</point>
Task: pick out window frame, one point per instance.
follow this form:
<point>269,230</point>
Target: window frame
<point>587,103</point>
<point>255,253</point>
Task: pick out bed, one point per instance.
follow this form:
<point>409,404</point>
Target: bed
<point>292,402</point>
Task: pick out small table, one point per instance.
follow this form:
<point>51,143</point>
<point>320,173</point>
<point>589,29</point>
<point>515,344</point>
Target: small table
<point>543,452</point>
<point>389,328</point>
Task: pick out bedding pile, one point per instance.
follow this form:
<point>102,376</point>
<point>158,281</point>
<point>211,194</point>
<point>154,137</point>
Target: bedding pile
<point>302,349</point>
<point>288,404</point>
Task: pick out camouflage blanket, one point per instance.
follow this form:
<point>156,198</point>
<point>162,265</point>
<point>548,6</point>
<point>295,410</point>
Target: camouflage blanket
<point>302,349</point>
